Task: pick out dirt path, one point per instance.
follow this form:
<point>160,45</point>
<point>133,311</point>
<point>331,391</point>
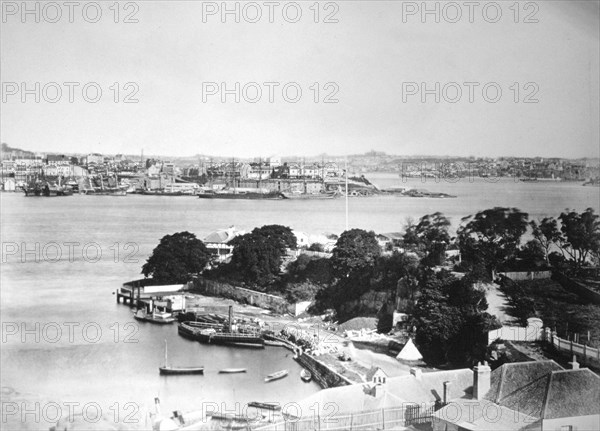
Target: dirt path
<point>497,302</point>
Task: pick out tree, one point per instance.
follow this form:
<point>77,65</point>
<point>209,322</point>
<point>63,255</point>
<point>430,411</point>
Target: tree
<point>430,235</point>
<point>431,228</point>
<point>282,234</point>
<point>356,250</point>
<point>531,255</point>
<point>437,323</point>
<point>258,256</point>
<point>177,258</point>
<point>546,233</point>
<point>581,234</point>
<point>451,319</point>
<point>315,246</point>
<point>492,236</point>
<point>390,269</point>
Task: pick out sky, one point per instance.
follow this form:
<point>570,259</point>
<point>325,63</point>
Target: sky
<point>380,67</point>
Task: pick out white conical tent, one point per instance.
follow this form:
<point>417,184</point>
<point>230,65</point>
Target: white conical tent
<point>409,352</point>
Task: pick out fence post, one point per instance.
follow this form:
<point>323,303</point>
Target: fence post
<point>584,354</point>
<point>383,418</point>
<point>571,341</point>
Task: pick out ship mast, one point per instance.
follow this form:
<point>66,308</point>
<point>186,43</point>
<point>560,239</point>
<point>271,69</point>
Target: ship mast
<point>233,173</point>
<point>165,352</point>
<point>259,174</point>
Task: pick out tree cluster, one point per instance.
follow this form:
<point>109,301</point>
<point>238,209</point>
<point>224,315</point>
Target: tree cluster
<point>258,255</point>
<point>176,259</point>
<point>451,319</point>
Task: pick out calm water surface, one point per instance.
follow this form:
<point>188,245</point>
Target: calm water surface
<point>109,370</point>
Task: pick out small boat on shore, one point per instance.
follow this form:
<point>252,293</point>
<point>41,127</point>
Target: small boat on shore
<point>264,406</point>
<point>167,370</point>
<point>232,370</point>
<point>305,375</point>
<point>276,376</point>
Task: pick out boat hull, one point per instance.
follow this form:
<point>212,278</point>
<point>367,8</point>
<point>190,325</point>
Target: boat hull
<point>105,192</point>
<point>308,196</point>
<point>175,371</point>
<point>267,196</point>
<point>276,376</point>
<point>232,370</point>
<point>154,320</point>
<point>306,376</point>
<point>264,406</point>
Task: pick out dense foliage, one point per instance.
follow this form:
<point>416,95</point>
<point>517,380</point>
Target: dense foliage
<point>355,251</point>
<point>258,255</point>
<point>577,238</point>
<point>451,319</point>
<point>492,237</point>
<point>430,237</point>
<point>559,309</point>
<point>177,258</point>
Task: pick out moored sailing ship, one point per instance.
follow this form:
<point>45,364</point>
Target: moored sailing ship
<point>238,193</point>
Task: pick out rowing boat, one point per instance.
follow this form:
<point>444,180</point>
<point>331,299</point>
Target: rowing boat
<point>265,406</point>
<point>232,370</point>
<point>305,375</point>
<point>276,376</point>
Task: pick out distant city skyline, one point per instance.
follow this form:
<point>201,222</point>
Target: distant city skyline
<point>326,157</point>
<point>372,61</point>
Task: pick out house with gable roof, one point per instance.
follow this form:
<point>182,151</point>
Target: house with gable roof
<point>536,395</point>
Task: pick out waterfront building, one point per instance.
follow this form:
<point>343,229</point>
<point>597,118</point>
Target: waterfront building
<point>218,241</point>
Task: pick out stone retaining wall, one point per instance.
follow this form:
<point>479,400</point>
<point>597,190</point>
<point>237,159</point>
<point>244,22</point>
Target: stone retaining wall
<point>241,294</point>
<point>321,373</point>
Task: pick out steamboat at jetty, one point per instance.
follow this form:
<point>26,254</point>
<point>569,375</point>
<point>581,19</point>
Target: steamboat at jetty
<point>225,333</point>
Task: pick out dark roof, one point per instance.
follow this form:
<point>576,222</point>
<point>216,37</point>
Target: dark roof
<point>484,415</point>
<point>509,378</point>
<point>543,389</point>
<point>572,393</point>
<point>219,236</point>
<point>392,235</point>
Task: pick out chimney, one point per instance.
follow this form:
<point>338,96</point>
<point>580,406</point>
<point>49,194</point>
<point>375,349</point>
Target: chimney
<point>447,392</point>
<point>378,391</point>
<point>481,380</point>
<point>416,372</point>
<point>574,363</point>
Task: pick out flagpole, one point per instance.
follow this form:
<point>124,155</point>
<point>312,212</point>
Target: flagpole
<point>346,163</point>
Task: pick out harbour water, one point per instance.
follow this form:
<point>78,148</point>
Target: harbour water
<point>113,359</point>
